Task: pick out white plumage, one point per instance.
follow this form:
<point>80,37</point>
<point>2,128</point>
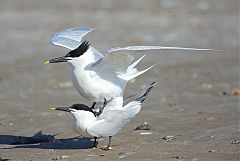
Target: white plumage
<point>99,77</point>
<point>113,117</point>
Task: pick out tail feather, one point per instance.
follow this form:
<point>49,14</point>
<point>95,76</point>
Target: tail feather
<point>132,68</point>
<point>133,107</point>
<point>143,96</point>
<point>132,71</point>
<point>130,75</point>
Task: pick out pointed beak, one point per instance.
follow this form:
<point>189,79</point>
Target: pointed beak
<point>57,60</point>
<point>65,109</point>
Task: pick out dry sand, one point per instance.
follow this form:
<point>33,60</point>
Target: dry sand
<point>194,104</point>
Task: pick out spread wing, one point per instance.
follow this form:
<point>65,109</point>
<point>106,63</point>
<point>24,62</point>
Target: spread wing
<point>113,63</point>
<point>119,60</point>
<point>144,48</point>
<point>70,38</point>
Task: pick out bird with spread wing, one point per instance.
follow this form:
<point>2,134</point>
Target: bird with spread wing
<point>99,77</point>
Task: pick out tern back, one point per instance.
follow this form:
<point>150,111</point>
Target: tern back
<point>113,119</point>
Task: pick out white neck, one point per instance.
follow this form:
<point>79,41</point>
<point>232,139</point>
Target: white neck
<point>82,120</point>
<point>90,56</point>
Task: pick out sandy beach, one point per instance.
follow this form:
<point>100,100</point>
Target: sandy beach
<point>197,106</point>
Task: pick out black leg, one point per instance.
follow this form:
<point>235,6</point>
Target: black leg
<point>108,147</point>
<point>93,105</point>
<point>105,102</point>
<point>95,142</point>
<point>101,108</point>
<point>109,141</point>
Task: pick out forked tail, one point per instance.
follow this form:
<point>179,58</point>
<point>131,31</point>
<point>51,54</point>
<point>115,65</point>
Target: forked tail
<point>132,71</point>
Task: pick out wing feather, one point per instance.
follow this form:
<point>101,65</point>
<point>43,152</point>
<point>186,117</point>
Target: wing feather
<point>114,116</point>
<point>120,58</point>
<point>113,120</point>
<point>117,60</point>
<point>144,48</point>
<point>70,38</point>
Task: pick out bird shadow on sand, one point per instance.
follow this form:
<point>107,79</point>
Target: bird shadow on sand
<point>42,141</point>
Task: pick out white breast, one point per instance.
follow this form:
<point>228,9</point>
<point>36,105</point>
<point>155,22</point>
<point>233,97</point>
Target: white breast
<point>81,121</point>
<point>93,87</point>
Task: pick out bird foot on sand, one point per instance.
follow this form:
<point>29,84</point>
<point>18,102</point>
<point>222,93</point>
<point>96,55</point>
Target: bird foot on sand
<point>106,148</point>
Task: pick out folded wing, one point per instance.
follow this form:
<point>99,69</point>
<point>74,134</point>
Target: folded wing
<point>114,116</point>
<point>112,120</point>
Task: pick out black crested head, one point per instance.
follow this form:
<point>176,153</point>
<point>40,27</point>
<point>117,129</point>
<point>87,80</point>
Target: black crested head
<point>81,107</point>
<point>83,47</point>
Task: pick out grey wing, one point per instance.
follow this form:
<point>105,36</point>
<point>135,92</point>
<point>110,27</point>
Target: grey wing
<point>120,58</point>
<point>70,38</point>
<point>141,94</point>
<point>144,48</point>
<point>114,63</point>
<point>112,121</point>
<point>114,117</point>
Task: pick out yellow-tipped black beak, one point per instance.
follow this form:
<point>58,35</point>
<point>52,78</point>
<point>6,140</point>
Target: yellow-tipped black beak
<point>65,109</point>
<point>46,62</point>
<point>53,108</point>
<point>57,60</point>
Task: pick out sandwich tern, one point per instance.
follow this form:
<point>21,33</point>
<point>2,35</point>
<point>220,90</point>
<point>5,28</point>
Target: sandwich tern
<point>113,117</point>
<point>99,77</point>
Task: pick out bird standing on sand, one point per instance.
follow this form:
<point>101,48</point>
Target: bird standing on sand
<point>113,117</point>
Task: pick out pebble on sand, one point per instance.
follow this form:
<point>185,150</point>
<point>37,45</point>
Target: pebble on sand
<point>61,157</point>
<point>145,126</point>
<point>168,138</point>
